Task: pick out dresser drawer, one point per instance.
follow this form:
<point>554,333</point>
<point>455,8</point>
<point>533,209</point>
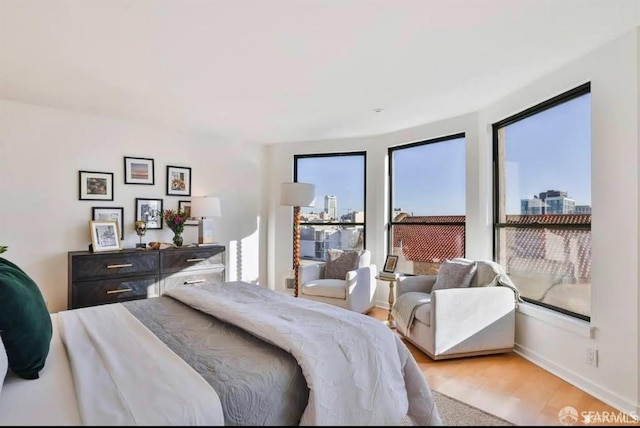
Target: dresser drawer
<point>91,293</point>
<point>191,259</point>
<point>180,279</point>
<point>97,266</point>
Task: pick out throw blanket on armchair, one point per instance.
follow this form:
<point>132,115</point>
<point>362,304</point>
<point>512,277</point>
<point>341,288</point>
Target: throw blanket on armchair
<point>357,370</point>
<point>405,308</point>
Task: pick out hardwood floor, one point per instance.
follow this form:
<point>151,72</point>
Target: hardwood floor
<point>508,386</point>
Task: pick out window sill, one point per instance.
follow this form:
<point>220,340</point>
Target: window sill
<point>565,322</point>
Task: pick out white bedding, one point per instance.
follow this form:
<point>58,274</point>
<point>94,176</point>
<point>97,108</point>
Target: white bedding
<point>358,371</point>
<point>49,400</point>
<point>358,379</point>
<point>118,373</point>
<point>124,375</point>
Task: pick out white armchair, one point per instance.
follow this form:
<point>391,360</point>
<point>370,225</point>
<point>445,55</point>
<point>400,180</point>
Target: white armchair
<point>457,322</point>
<point>352,286</point>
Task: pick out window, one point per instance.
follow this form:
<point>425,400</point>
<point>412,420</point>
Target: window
<point>427,210</point>
<point>338,219</point>
<point>542,178</point>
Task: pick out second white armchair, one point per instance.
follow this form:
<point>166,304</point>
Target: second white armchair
<point>472,315</point>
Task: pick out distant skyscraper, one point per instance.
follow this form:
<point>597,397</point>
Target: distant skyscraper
<point>552,202</point>
<point>331,206</point>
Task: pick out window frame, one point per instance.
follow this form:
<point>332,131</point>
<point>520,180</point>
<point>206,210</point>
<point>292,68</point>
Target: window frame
<point>362,153</point>
<point>562,98</point>
<point>390,222</point>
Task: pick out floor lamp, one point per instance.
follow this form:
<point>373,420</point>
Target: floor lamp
<point>297,195</point>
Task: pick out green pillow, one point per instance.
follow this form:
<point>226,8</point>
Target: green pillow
<point>25,323</point>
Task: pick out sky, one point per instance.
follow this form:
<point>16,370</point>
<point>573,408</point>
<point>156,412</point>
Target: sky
<point>548,151</point>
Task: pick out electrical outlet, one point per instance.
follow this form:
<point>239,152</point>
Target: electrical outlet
<point>592,357</point>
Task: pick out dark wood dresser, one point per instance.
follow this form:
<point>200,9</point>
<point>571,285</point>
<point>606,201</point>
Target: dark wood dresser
<point>118,276</point>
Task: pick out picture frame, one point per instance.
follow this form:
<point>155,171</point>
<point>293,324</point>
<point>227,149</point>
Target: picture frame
<point>150,211</point>
<point>95,186</point>
<point>178,180</point>
<point>105,235</point>
<point>139,171</point>
<point>390,264</point>
<point>110,213</point>
<point>185,206</point>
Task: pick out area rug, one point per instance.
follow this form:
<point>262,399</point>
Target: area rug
<point>456,413</point>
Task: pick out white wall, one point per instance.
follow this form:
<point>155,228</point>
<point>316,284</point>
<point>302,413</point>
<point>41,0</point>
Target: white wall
<point>41,218</point>
<point>556,342</point>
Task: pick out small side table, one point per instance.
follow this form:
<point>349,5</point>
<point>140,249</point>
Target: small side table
<point>390,322</point>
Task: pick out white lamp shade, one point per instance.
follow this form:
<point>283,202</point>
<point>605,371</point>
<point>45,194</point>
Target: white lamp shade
<point>298,194</point>
<point>205,206</point>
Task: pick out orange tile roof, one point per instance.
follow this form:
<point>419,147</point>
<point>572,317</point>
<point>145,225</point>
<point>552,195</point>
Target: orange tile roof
<point>428,243</point>
<point>533,250</point>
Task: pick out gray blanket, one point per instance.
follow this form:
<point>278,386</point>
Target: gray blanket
<point>405,309</point>
<point>258,383</point>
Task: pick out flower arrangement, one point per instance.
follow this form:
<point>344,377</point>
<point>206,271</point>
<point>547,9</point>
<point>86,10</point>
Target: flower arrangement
<point>3,248</point>
<point>175,220</point>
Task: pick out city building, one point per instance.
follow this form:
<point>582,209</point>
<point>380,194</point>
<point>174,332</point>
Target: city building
<point>331,207</point>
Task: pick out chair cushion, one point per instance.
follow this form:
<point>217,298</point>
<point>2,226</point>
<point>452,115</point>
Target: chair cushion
<point>423,314</point>
<point>25,323</point>
<point>339,262</point>
<point>334,288</point>
<point>455,274</point>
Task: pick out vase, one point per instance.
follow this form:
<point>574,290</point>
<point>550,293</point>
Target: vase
<point>177,240</point>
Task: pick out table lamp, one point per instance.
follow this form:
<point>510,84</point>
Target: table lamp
<point>203,208</point>
<point>297,195</point>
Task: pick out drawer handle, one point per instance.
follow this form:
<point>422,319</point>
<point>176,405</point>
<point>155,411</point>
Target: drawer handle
<point>119,266</point>
<point>194,281</point>
<point>195,260</point>
<point>122,290</point>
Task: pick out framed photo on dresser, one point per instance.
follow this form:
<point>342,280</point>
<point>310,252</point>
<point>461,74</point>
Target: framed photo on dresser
<point>105,235</point>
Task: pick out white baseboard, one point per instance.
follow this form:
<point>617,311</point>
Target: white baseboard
<point>382,304</point>
<point>568,375</point>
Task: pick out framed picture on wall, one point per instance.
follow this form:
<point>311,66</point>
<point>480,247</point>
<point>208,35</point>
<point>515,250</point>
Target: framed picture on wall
<point>185,206</point>
<point>95,186</point>
<point>178,180</point>
<point>149,211</point>
<point>105,235</point>
<point>138,171</point>
<point>110,213</point>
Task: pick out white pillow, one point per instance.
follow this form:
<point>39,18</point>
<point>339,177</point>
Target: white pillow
<point>455,274</point>
<point>4,363</point>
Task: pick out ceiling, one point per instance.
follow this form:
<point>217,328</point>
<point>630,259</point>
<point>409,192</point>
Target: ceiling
<point>271,71</point>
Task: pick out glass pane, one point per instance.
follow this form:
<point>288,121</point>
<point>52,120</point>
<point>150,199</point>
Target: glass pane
<point>545,173</point>
<point>428,187</point>
<point>316,240</point>
<point>422,248</point>
<point>429,179</point>
<point>549,266</point>
<point>340,198</point>
<point>547,161</point>
<point>339,182</point>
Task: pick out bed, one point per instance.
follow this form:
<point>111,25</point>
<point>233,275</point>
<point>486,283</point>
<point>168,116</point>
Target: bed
<point>220,354</point>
